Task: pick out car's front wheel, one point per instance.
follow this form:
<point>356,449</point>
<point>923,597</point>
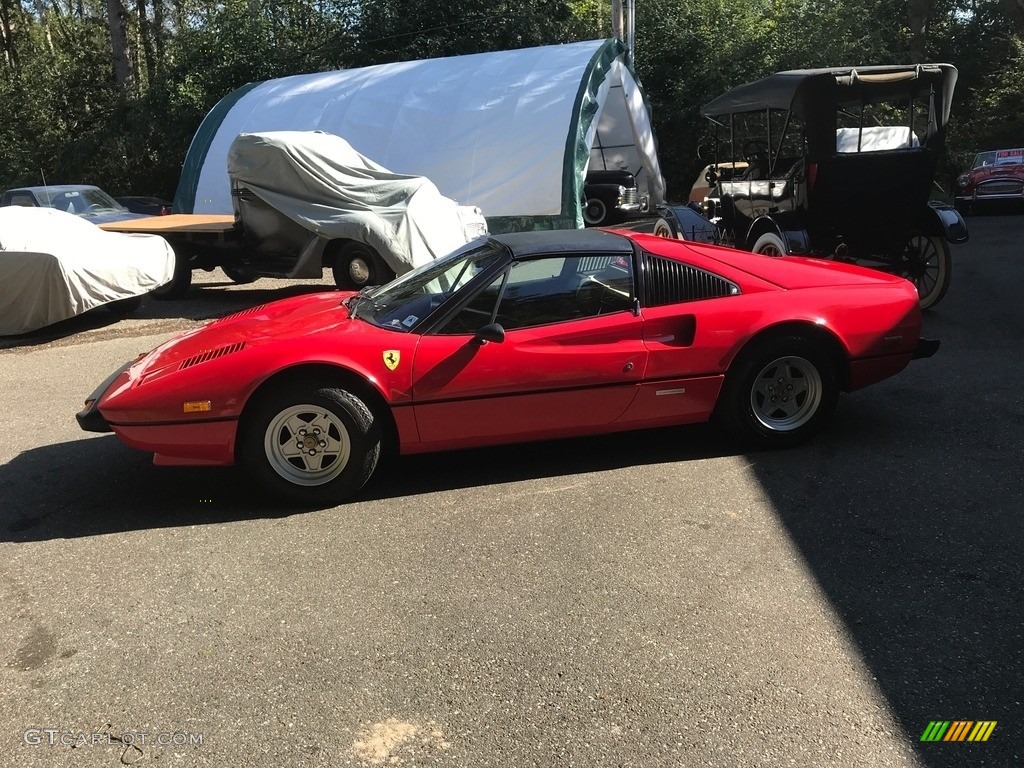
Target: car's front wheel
<point>928,264</point>
<point>310,445</point>
<point>595,212</point>
<point>663,229</point>
<point>779,392</point>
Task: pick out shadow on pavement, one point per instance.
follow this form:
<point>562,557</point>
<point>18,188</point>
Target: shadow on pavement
<point>97,485</point>
<point>909,512</point>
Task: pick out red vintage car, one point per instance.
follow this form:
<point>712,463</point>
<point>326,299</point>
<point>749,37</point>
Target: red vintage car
<point>514,338</point>
<point>994,175</point>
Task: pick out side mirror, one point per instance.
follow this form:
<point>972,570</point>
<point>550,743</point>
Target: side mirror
<point>492,332</point>
<point>711,177</point>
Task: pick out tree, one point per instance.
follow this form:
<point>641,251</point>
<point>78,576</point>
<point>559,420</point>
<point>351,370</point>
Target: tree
<point>120,51</point>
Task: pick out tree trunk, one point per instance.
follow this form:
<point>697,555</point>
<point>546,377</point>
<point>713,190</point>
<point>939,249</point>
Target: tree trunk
<point>119,44</point>
<point>10,50</point>
<point>918,15</point>
<point>158,33</point>
<point>146,40</point>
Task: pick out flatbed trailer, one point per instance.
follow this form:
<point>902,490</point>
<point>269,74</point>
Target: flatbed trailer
<point>190,224</point>
<point>199,240</point>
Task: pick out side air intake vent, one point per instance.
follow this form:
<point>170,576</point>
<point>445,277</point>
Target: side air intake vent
<point>211,354</point>
<point>666,281</point>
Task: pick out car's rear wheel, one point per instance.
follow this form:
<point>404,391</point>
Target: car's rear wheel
<point>779,392</point>
<point>357,265</point>
<point>927,262</point>
<point>769,244</point>
<point>310,445</point>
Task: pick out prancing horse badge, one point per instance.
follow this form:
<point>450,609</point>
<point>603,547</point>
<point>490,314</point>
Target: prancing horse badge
<point>392,358</point>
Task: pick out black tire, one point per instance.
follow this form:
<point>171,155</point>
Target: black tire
<point>595,212</point>
<point>769,244</point>
<point>349,434</point>
<point>927,262</point>
<point>795,370</point>
<point>239,274</point>
<point>357,265</point>
<point>123,307</point>
<point>180,282</point>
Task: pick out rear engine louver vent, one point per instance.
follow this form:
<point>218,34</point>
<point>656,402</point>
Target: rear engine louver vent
<point>211,354</point>
<point>666,281</point>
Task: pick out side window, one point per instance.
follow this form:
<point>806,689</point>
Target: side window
<point>550,289</point>
<point>478,312</point>
<point>883,125</point>
<point>667,281</point>
<point>24,199</point>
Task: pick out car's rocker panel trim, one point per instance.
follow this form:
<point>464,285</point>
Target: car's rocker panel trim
<point>553,390</point>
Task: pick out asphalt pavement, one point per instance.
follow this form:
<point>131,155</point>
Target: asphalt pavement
<point>650,599</point>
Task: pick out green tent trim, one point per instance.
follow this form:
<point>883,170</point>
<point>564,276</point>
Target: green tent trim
<point>188,183</point>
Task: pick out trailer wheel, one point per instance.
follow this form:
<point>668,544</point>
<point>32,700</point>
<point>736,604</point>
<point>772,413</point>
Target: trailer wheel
<point>357,265</point>
<point>181,280</point>
<point>239,274</point>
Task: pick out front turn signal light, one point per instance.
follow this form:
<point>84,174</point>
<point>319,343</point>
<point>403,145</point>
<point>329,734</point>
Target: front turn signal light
<point>197,406</point>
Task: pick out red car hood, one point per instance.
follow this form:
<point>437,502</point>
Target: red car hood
<point>276,322</point>
<point>1004,171</point>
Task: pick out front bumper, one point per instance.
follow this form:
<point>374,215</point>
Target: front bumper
<point>89,418</point>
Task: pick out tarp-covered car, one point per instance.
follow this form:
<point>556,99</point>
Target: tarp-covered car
<point>308,199</point>
<point>55,265</point>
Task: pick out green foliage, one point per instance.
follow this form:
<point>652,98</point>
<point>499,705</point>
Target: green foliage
<point>395,30</point>
<point>64,116</point>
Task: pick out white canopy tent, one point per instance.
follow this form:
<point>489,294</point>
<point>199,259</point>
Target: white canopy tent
<point>512,132</point>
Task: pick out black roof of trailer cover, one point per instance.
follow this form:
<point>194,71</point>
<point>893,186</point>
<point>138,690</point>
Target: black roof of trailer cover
<point>804,90</point>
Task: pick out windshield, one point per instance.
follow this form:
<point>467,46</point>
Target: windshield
<point>81,200</point>
<point>401,304</point>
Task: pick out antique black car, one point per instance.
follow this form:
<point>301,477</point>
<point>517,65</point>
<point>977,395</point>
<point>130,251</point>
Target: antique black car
<point>840,164</point>
<point>609,197</point>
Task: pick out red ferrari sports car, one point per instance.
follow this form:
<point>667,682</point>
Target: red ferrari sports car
<point>514,338</point>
